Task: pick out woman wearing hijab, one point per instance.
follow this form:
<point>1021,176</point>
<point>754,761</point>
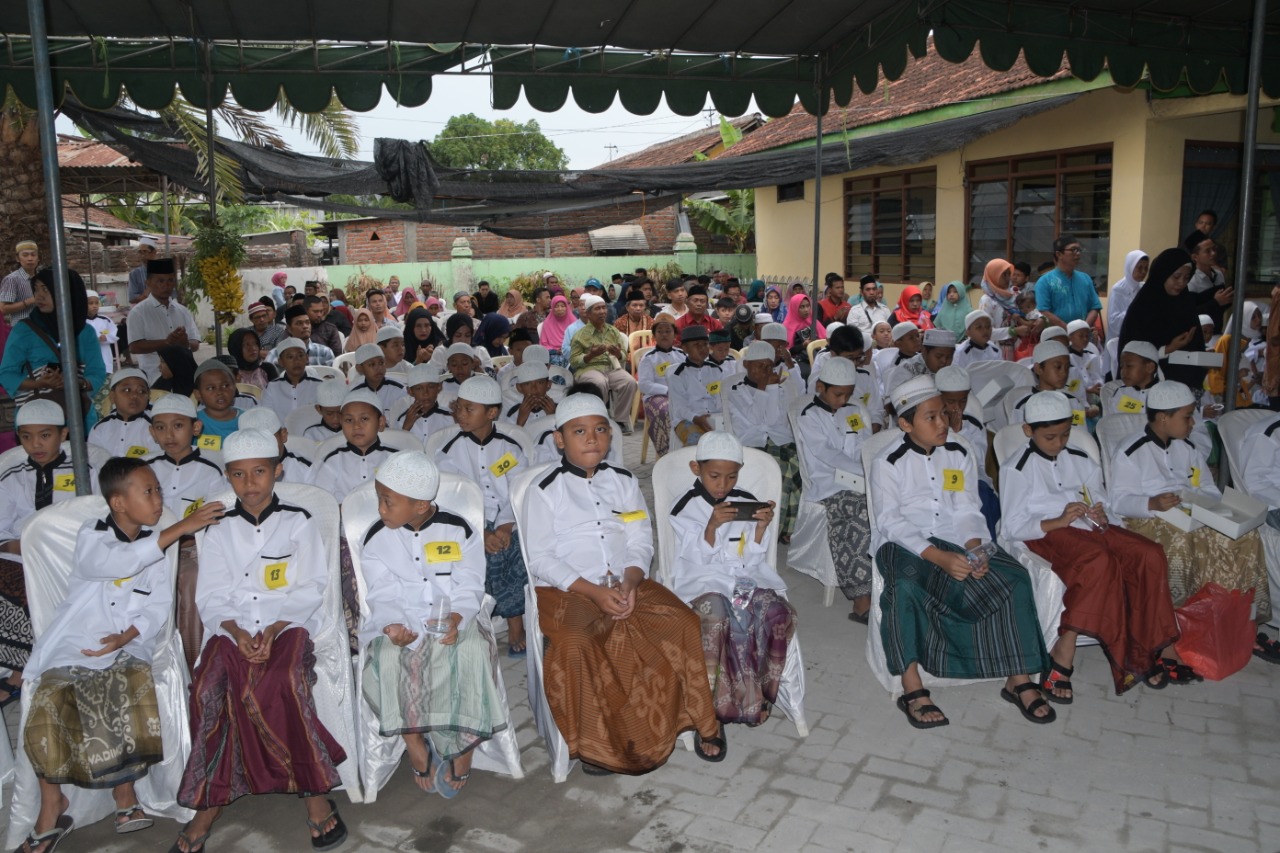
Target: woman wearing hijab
<point>408,299</point>
<point>246,348</point>
<point>998,298</point>
<point>559,318</point>
<point>492,334</point>
<point>421,336</point>
<point>952,309</point>
<point>910,309</point>
<point>32,355</point>
<point>364,330</point>
<point>1122,293</point>
<point>1164,315</point>
<point>177,371</point>
<point>799,323</point>
<point>459,329</point>
<point>774,305</point>
<point>512,305</point>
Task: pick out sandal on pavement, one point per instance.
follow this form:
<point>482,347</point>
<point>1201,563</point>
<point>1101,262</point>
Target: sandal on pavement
<point>132,824</point>
<point>428,774</point>
<point>1029,711</point>
<point>904,705</point>
<point>595,769</point>
<point>1263,647</point>
<point>1059,678</point>
<point>444,770</point>
<point>860,618</point>
<point>1180,673</point>
<point>334,837</point>
<point>1160,675</point>
<point>52,837</point>
<point>194,845</point>
<point>719,741</point>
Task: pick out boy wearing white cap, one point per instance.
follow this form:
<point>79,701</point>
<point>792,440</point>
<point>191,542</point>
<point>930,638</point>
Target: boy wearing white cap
<point>420,412</point>
<point>294,388</point>
<point>254,726</point>
<point>390,341</point>
<point>938,349</point>
<point>484,454</point>
<point>1085,357</point>
<point>775,334</point>
<point>329,396</point>
<point>654,369</point>
<point>612,633</point>
<point>353,464</point>
<point>848,342</point>
<point>977,345</point>
<point>371,364</point>
<point>460,362</point>
<point>127,430</point>
<point>1139,372</point>
<point>1117,581</point>
<point>831,429</point>
<point>536,405</point>
<point>907,343</point>
<point>758,405</point>
<point>1149,472</point>
<point>107,331</point>
<point>966,420</point>
<point>296,469</point>
<point>721,571</point>
<point>954,604</point>
<point>694,388</point>
<point>1052,369</point>
<point>428,670</point>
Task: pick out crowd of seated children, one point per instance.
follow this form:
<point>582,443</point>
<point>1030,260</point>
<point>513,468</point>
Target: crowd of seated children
<point>371,365</point>
<point>938,349</point>
<point>721,570</point>
<point>832,428</point>
<point>954,604</point>
<point>94,720</point>
<point>623,669</point>
<point>907,343</point>
<point>977,345</point>
<point>328,405</point>
<point>218,413</point>
<point>294,388</point>
<point>652,375</point>
<point>693,388</point>
<point>127,430</point>
<point>420,413</point>
<point>429,661</point>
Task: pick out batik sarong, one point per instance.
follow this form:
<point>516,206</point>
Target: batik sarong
<point>849,538</point>
<point>657,423</point>
<point>745,652</point>
<point>505,576</point>
<point>789,463</point>
<point>15,619</point>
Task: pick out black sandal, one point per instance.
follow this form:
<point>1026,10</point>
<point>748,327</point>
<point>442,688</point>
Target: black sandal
<point>194,845</point>
<point>52,837</point>
<point>1263,647</point>
<point>904,705</point>
<point>1180,673</point>
<point>719,741</point>
<point>1029,711</point>
<point>334,837</point>
<point>595,769</point>
<point>1160,674</point>
<point>861,618</point>
<point>1059,678</point>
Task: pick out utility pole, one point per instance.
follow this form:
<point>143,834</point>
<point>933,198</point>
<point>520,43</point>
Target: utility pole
<point>612,149</point>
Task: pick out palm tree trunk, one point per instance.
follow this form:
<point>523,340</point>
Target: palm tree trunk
<point>22,207</point>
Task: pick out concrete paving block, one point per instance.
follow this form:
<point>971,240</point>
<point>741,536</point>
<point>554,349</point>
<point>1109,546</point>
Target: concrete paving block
<point>829,814</point>
<point>953,774</point>
<point>735,836</point>
<point>764,810</point>
<point>896,771</point>
<point>924,796</point>
<point>790,833</point>
<point>662,831</point>
<point>805,786</point>
<point>983,801</point>
<point>1181,815</point>
<point>954,824</point>
<point>863,792</point>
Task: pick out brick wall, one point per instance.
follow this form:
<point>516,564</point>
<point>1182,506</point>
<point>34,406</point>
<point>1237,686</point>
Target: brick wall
<point>118,260</point>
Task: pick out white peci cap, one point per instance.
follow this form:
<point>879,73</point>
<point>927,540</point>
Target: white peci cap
<point>1052,334</point>
<point>362,395</point>
<point>974,316</point>
<point>952,378</point>
<point>902,330</point>
<point>579,406</point>
<point>424,374</point>
<point>250,444</point>
<point>364,352</point>
<point>1045,407</point>
<point>331,393</point>
<point>173,404</point>
<point>773,332</point>
<point>1167,396</point>
<point>260,417</point>
<point>838,371</point>
<point>388,333</point>
<point>459,349</point>
<point>128,373</point>
<point>290,343</point>
<point>913,392</point>
<point>1142,349</point>
<point>42,413</point>
<point>944,338</point>
<point>481,389</point>
<point>410,473</point>
<point>759,351</point>
<point>718,445</point>
<point>1076,326</point>
<point>537,353</point>
<point>531,371</point>
<point>1046,350</point>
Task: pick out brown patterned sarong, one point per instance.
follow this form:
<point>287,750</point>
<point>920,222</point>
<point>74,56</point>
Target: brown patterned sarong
<point>621,691</point>
<point>745,652</point>
<point>94,728</point>
<point>15,619</point>
<point>190,628</point>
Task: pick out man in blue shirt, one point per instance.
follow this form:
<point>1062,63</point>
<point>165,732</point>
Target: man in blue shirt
<point>1064,294</point>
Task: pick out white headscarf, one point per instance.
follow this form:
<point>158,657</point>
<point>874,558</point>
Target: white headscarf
<point>1250,333</point>
<point>1122,293</point>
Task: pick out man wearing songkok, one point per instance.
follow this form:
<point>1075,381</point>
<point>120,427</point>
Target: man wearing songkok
<point>160,320</point>
<point>17,288</point>
<point>127,430</point>
<point>758,409</point>
<point>420,412</point>
<point>977,345</point>
<point>294,388</point>
<point>694,387</point>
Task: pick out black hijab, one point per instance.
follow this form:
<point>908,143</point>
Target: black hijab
<point>456,322</point>
<point>235,346</point>
<point>79,304</point>
<point>182,364</point>
<point>435,337</point>
<point>1158,318</point>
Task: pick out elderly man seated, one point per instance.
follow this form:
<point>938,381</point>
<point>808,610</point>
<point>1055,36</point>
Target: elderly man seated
<point>597,356</point>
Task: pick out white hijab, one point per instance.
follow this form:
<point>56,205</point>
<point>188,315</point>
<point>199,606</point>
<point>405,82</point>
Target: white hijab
<point>1130,264</point>
<point>1250,333</point>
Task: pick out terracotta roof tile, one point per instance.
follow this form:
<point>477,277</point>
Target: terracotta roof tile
<point>682,149</point>
<point>73,217</point>
<point>74,152</point>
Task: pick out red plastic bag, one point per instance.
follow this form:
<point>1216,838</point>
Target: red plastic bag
<point>1217,631</point>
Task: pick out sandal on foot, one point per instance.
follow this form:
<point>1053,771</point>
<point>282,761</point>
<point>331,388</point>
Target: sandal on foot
<point>1059,678</point>
<point>861,618</point>
<point>904,705</point>
<point>513,652</point>
<point>718,740</point>
<point>1160,675</point>
<point>194,845</point>
<point>52,837</point>
<point>1263,647</point>
<point>443,770</point>
<point>595,769</point>
<point>132,824</point>
<point>428,774</point>
<point>334,837</point>
<point>1180,673</point>
<point>1029,711</point>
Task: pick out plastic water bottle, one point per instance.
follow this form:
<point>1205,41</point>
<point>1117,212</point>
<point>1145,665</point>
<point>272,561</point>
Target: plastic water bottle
<point>980,554</point>
<point>609,580</point>
<point>438,621</point>
<point>742,590</point>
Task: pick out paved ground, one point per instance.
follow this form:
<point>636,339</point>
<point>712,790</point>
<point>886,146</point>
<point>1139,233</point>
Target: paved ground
<point>1190,768</point>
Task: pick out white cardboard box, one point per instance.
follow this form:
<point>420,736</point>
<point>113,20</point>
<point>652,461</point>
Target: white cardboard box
<point>1234,516</point>
<point>853,482</point>
<point>993,390</point>
<point>1180,517</point>
<point>1199,359</point>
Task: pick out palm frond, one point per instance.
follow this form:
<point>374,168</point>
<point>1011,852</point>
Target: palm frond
<point>189,121</point>
<point>333,130</point>
<point>249,126</point>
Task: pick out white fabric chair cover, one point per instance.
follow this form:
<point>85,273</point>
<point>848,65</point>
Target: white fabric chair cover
<point>809,552</point>
<point>1232,428</point>
<point>48,547</point>
<point>380,756</point>
<point>1111,430</point>
<point>760,476</point>
<point>8,767</point>
<point>500,361</point>
<point>518,434</point>
<point>304,447</point>
<point>324,371</point>
<point>300,420</point>
<point>345,363</point>
<point>334,690</point>
<point>557,748</point>
<point>982,372</point>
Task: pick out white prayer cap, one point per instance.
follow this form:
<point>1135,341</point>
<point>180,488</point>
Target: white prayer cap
<point>459,349</point>
<point>838,371</point>
<point>481,389</point>
<point>128,373</point>
<point>1075,326</point>
<point>423,374</point>
<point>763,318</point>
<point>902,330</point>
<point>1166,396</point>
<point>759,351</point>
<point>940,338</point>
<point>531,371</point>
<point>1045,407</point>
<point>589,301</point>
<point>330,393</point>
<point>148,241</point>
<point>952,378</point>
<point>42,413</point>
<point>1206,320</point>
<point>410,473</point>
<point>579,406</point>
<point>773,332</point>
<point>250,444</point>
<point>364,352</point>
<point>290,343</point>
<point>92,294</point>
<point>362,395</point>
<point>1046,350</point>
<point>913,392</point>
<point>717,445</point>
<point>173,404</point>
<point>260,417</point>
<point>1142,349</point>
<point>1052,333</point>
<point>388,333</point>
<point>537,353</point>
<point>832,326</point>
<point>974,316</point>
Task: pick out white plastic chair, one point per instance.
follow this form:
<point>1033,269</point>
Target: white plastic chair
<point>1232,427</point>
<point>380,756</point>
<point>324,371</point>
<point>345,363</point>
<point>334,689</point>
<point>761,477</point>
<point>300,420</point>
<point>48,547</point>
<point>1111,430</point>
<point>809,553</point>
<point>982,372</point>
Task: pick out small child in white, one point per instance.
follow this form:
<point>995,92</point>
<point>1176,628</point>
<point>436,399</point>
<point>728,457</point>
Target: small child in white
<point>420,413</point>
<point>721,571</point>
<point>108,334</point>
<point>371,364</point>
<point>977,346</point>
<point>758,406</point>
<point>694,387</point>
<point>353,464</point>
<point>296,469</point>
<point>1085,357</point>
<point>127,430</point>
<point>294,388</point>
<point>328,405</point>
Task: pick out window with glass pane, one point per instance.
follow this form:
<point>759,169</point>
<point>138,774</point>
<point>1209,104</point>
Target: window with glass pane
<point>891,222</point>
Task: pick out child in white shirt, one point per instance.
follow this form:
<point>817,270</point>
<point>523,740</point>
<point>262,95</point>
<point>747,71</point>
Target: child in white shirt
<point>655,368</point>
<point>758,408</point>
<point>107,331</point>
<point>127,430</point>
<point>328,404</point>
<point>420,412</point>
<point>977,345</point>
<point>372,367</point>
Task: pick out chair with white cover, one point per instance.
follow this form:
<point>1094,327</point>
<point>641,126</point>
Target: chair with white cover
<point>300,420</point>
<point>1232,427</point>
<point>324,371</point>
<point>345,363</point>
<point>809,552</point>
<point>398,439</point>
<point>982,372</point>
<point>252,390</point>
<point>48,548</point>
<point>564,374</point>
<point>379,756</point>
<point>304,447</point>
<point>334,689</point>
<point>1111,430</point>
<point>761,477</point>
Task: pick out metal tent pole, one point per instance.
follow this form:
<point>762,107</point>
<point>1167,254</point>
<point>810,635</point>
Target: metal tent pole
<point>164,200</point>
<point>57,241</point>
<point>211,141</point>
<point>1248,177</point>
<point>88,242</point>
<point>824,96</point>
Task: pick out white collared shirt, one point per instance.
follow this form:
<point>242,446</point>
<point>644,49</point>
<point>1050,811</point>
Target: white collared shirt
<point>346,468</point>
<point>759,414</point>
<point>689,390</point>
<point>283,397</point>
<point>151,321</point>
<point>185,485</point>
<point>654,370</point>
<point>425,425</point>
<point>1036,488</point>
<point>1143,467</point>
<point>832,442</point>
<point>1261,457</point>
<point>920,494</point>
<point>700,568</point>
<point>18,489</point>
<point>969,353</point>
<point>490,464</point>
<point>389,393</point>
<point>121,437</point>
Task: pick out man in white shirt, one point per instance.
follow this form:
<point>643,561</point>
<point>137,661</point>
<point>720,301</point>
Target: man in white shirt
<point>159,320</point>
<point>16,300</point>
<point>871,311</point>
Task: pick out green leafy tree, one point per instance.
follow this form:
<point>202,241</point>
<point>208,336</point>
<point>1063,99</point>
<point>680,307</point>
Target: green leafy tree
<point>734,218</point>
<point>471,142</point>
